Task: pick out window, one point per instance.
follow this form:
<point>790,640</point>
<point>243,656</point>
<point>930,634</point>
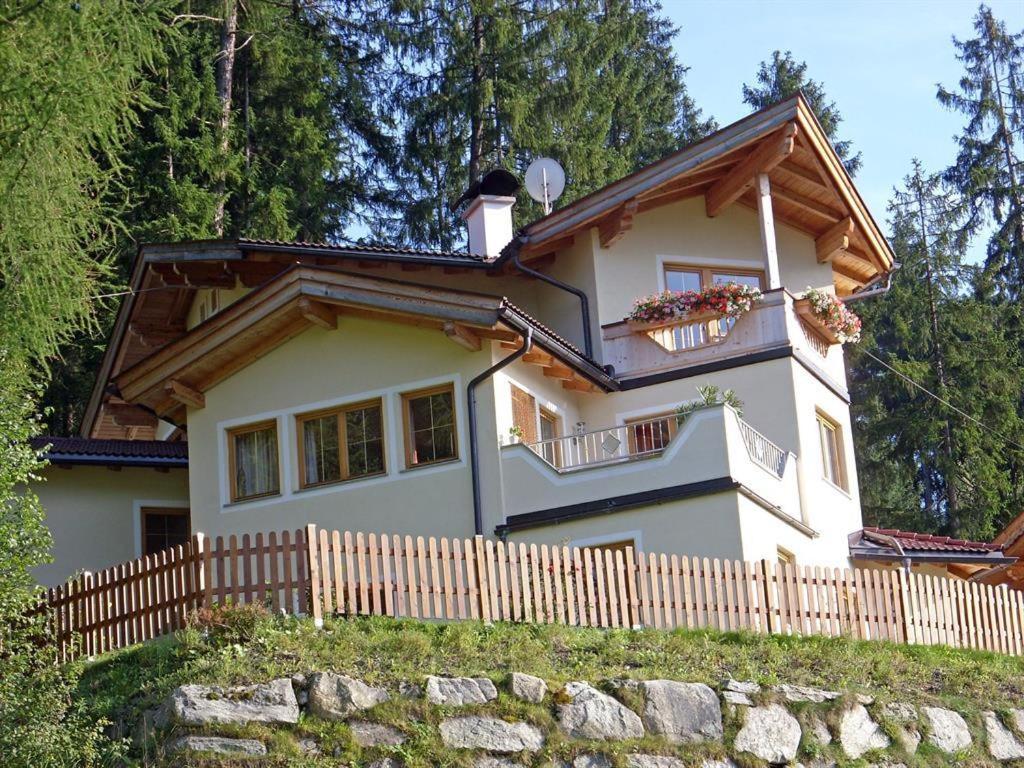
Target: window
<point>341,444</point>
<point>524,414</point>
<point>551,451</point>
<point>163,528</point>
<point>210,305</point>
<point>831,451</point>
<point>429,419</point>
<point>253,465</point>
<point>686,278</point>
<point>786,557</point>
<point>651,433</point>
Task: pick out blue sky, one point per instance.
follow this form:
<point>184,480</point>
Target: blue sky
<point>879,61</point>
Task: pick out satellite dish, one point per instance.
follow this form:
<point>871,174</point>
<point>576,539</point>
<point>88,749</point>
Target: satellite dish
<point>545,181</point>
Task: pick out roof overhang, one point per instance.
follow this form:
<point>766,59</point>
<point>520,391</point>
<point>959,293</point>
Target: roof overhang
<point>811,190</point>
<point>177,375</point>
<point>868,545</point>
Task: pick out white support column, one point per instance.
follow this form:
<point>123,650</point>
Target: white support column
<point>767,221</point>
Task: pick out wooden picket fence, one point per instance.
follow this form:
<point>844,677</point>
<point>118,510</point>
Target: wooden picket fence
<point>333,573</point>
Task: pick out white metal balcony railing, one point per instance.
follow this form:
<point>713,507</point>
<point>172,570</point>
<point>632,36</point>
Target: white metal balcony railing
<point>608,445</point>
<point>640,439</point>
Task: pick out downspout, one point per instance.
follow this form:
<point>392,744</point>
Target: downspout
<point>474,450</point>
<point>869,290</point>
<point>588,345</point>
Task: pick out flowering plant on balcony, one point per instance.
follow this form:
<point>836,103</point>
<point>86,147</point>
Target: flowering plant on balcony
<point>729,299</point>
<point>834,315</point>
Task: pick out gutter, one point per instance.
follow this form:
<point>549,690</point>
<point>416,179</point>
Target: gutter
<point>474,447</point>
<point>868,291</point>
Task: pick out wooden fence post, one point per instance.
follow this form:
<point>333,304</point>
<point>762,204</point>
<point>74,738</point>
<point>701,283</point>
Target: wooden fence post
<point>482,581</point>
<point>197,598</point>
<point>906,608</point>
<point>769,597</point>
<point>312,562</point>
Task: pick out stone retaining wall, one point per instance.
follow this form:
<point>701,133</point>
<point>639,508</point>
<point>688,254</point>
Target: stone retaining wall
<point>637,724</point>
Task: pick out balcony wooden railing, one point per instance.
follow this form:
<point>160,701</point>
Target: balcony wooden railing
<point>610,445</point>
<point>691,332</point>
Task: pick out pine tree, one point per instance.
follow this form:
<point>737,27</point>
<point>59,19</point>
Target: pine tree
<point>783,77</point>
<point>987,170</point>
<point>923,464</point>
<point>485,84</point>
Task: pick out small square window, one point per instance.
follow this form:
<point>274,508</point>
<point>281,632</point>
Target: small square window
<point>254,461</point>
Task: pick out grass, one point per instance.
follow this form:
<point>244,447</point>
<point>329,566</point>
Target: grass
<point>252,648</point>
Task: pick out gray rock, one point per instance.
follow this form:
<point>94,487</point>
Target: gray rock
<point>592,761</point>
<point>217,744</point>
<point>491,734</point>
<point>459,691</point>
<point>367,734</point>
<point>740,686</point>
<point>197,705</point>
<point>594,715</point>
<point>386,762</point>
<point>152,720</point>
<point>653,761</point>
<point>489,761</point>
<point>770,733</point>
<point>737,699</point>
<point>718,764</point>
<point>409,690</point>
<point>1003,744</point>
<point>1017,715</point>
<point>335,697</point>
<point>309,746</point>
<point>947,730</point>
<point>798,693</point>
<point>859,734</point>
<point>819,730</point>
<point>681,712</point>
<point>527,687</point>
<point>818,762</point>
<point>905,717</point>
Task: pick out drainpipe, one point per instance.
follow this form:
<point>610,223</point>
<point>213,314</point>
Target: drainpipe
<point>474,450</point>
<point>588,345</point>
<point>869,290</point>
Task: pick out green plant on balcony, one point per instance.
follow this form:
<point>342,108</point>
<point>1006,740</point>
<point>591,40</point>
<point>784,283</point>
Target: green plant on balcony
<point>709,395</point>
<point>841,322</point>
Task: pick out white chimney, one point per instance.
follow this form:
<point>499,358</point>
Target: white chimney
<point>489,218</point>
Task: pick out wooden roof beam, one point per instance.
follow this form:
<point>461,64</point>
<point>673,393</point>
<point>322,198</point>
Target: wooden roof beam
<point>318,314</point>
<point>770,153</point>
<point>184,394</point>
<point>613,226</point>
<point>537,357</point>
<point>131,415</point>
<point>579,385</point>
<point>559,371</point>
<point>255,273</point>
<point>462,336</point>
<point>820,210</point>
<point>836,239</point>
<point>543,248</point>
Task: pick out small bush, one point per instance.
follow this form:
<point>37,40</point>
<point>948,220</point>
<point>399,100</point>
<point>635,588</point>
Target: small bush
<point>228,624</point>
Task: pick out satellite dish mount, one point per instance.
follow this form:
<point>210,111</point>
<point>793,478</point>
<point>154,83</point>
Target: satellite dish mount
<point>545,181</point>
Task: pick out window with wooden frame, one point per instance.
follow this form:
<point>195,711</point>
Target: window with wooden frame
<point>683,277</point>
<point>524,414</point>
<point>163,528</point>
<point>344,443</point>
<point>428,417</point>
<point>651,433</point>
<point>551,451</point>
<point>832,459</point>
<point>253,461</point>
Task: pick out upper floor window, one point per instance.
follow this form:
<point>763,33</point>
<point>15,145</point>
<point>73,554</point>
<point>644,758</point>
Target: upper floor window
<point>832,461</point>
<point>341,444</point>
<point>429,420</point>
<point>686,278</point>
<point>253,462</point>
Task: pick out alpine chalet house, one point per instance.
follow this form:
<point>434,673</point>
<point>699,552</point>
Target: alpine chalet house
<point>516,390</point>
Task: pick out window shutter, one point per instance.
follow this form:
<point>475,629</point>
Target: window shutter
<point>524,413</point>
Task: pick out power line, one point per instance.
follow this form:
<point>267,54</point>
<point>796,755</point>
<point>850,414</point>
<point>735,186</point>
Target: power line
<point>945,402</point>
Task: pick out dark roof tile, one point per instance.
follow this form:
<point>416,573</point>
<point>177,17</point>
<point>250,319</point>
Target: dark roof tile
<point>95,451</point>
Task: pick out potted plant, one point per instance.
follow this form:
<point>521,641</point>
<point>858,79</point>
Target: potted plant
<point>515,434</point>
<point>829,316</point>
<point>669,307</point>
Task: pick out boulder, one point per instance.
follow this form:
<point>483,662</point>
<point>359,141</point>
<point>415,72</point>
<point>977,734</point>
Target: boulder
<point>217,744</point>
<point>491,734</point>
<point>386,762</point>
<point>738,692</point>
<point>1003,744</point>
<point>591,714</point>
<point>335,697</point>
<point>527,687</point>
<point>770,733</point>
<point>947,730</point>
<point>460,691</point>
<point>819,730</point>
<point>197,705</point>
<point>858,733</point>
<point>681,712</point>
<point>490,761</point>
<point>905,717</point>
<point>798,693</point>
<point>653,761</point>
<point>367,734</point>
<point>592,761</point>
<point>309,746</point>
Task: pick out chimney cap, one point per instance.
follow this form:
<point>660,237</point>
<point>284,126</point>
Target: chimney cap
<point>497,181</point>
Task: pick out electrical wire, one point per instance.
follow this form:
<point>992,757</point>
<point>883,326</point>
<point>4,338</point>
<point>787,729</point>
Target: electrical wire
<point>945,402</point>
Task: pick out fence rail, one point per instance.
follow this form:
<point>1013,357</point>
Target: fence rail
<point>323,573</point>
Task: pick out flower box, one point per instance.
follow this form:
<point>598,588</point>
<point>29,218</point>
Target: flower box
<point>676,307</point>
<point>642,326</point>
<point>806,312</point>
<point>828,316</point>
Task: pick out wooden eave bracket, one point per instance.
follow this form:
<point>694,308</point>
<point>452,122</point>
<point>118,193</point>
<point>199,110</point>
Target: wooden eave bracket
<point>128,415</point>
<point>318,314</point>
<point>462,336</point>
<point>834,240</point>
<point>772,151</point>
<point>184,394</point>
<point>613,226</point>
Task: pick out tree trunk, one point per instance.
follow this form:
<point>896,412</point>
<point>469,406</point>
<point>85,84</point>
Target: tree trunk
<point>225,74</point>
<point>476,117</point>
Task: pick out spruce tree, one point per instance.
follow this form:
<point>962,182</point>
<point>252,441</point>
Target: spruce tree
<point>783,77</point>
<point>987,171</point>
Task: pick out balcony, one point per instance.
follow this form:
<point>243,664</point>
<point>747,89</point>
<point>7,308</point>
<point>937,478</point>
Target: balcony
<point>774,322</point>
<point>709,444</point>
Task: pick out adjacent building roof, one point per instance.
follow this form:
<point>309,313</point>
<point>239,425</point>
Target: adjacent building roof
<point>131,453</point>
<point>891,544</point>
